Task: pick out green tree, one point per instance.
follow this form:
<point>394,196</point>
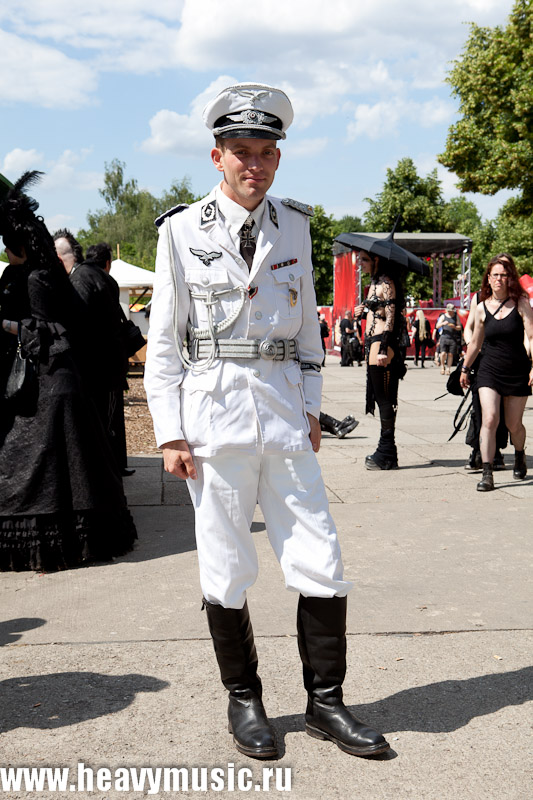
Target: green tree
<point>462,216</point>
<point>418,200</point>
<point>129,214</point>
<point>421,206</point>
<point>491,146</point>
<point>347,224</point>
<point>322,236</point>
<point>513,233</point>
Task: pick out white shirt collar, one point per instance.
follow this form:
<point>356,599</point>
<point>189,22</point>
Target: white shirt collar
<point>235,215</point>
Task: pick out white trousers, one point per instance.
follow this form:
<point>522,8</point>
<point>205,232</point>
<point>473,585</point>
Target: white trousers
<point>292,497</point>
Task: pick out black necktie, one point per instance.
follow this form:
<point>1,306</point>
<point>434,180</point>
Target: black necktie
<point>248,242</point>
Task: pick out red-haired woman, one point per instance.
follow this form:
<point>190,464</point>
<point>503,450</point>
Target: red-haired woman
<point>502,315</point>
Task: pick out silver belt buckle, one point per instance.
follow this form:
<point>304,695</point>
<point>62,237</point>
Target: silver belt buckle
<point>268,350</point>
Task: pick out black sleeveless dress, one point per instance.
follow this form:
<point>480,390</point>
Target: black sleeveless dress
<point>504,365</point>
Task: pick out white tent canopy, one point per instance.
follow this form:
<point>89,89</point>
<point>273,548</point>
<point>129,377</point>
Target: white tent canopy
<point>126,275</point>
<point>129,276</point>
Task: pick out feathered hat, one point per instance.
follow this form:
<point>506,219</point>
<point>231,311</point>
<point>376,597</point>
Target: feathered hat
<point>18,220</point>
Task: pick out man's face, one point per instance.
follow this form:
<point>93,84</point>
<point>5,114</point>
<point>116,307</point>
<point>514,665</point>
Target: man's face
<point>249,166</point>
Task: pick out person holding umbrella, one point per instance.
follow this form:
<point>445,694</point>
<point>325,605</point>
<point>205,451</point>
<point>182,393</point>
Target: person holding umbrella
<point>385,367</point>
<point>385,322</point>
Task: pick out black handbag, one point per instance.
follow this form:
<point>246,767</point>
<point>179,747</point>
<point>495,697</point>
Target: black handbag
<point>22,378</point>
<point>452,384</point>
<point>132,338</point>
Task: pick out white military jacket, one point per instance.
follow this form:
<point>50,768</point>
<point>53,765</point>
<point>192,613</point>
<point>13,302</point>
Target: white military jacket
<point>237,404</point>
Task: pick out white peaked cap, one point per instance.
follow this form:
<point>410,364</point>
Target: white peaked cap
<point>249,109</point>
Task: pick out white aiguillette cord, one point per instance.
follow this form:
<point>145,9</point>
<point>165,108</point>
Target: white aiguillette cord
<point>209,298</point>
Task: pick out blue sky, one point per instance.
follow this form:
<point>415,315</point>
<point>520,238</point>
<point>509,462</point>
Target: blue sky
<point>84,83</point>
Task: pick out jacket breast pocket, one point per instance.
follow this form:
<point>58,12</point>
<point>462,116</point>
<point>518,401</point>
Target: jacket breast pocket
<point>287,290</point>
<point>201,282</point>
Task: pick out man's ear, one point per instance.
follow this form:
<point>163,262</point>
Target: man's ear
<point>216,158</point>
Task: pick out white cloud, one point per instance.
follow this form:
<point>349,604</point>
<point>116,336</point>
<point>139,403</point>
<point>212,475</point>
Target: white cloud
<point>383,119</point>
<point>18,161</point>
<point>41,75</point>
<point>184,134</point>
<point>305,148</point>
<point>57,221</point>
<point>63,172</point>
<point>325,56</point>
<point>375,122</point>
<point>433,112</point>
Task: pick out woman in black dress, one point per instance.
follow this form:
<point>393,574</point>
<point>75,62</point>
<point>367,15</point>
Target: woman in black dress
<point>61,497</point>
<point>385,365</point>
<point>502,316</point>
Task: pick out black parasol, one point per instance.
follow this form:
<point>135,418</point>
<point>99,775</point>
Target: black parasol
<point>384,245</point>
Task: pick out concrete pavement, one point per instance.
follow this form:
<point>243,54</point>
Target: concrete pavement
<point>111,665</point>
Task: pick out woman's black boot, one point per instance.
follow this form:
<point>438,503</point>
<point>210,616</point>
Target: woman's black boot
<point>520,465</point>
<point>233,640</point>
<point>486,483</point>
<point>386,454</point>
<point>322,646</point>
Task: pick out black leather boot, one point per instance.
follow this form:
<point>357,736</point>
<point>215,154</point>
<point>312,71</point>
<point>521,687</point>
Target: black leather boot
<point>322,646</point>
<point>386,454</point>
<point>233,640</point>
<point>474,463</point>
<point>486,483</point>
<point>339,428</point>
<point>520,465</point>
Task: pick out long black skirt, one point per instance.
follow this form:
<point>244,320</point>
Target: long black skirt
<point>62,501</point>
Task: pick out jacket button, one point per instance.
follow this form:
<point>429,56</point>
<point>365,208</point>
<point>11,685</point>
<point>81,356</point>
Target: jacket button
<point>205,281</point>
<point>291,277</point>
<point>256,373</point>
<point>258,315</point>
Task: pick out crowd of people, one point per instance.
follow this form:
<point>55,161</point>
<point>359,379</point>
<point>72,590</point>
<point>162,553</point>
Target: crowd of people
<point>62,371</point>
<point>496,366</point>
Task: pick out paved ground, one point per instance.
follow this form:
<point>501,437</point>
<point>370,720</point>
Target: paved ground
<point>110,665</point>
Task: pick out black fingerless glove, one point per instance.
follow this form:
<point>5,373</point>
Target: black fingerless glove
<point>384,345</point>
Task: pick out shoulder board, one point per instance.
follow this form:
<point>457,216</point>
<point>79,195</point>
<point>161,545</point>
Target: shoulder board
<point>175,210</point>
<point>303,208</point>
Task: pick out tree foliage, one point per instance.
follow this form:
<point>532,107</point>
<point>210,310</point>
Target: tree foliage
<point>322,235</point>
<point>129,214</point>
<point>491,146</point>
<point>418,200</point>
<point>513,233</point>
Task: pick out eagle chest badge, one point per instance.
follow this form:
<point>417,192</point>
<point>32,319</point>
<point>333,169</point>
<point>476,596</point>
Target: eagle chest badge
<point>204,256</point>
<point>293,297</point>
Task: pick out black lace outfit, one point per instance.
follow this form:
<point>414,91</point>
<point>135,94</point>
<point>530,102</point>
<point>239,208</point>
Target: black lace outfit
<point>61,497</point>
<point>382,382</point>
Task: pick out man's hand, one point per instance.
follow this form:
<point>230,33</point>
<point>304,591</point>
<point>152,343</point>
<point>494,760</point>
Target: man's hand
<point>177,459</point>
<point>315,434</point>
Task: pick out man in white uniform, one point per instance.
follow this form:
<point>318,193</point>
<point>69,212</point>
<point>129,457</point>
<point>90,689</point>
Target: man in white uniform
<point>238,416</point>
